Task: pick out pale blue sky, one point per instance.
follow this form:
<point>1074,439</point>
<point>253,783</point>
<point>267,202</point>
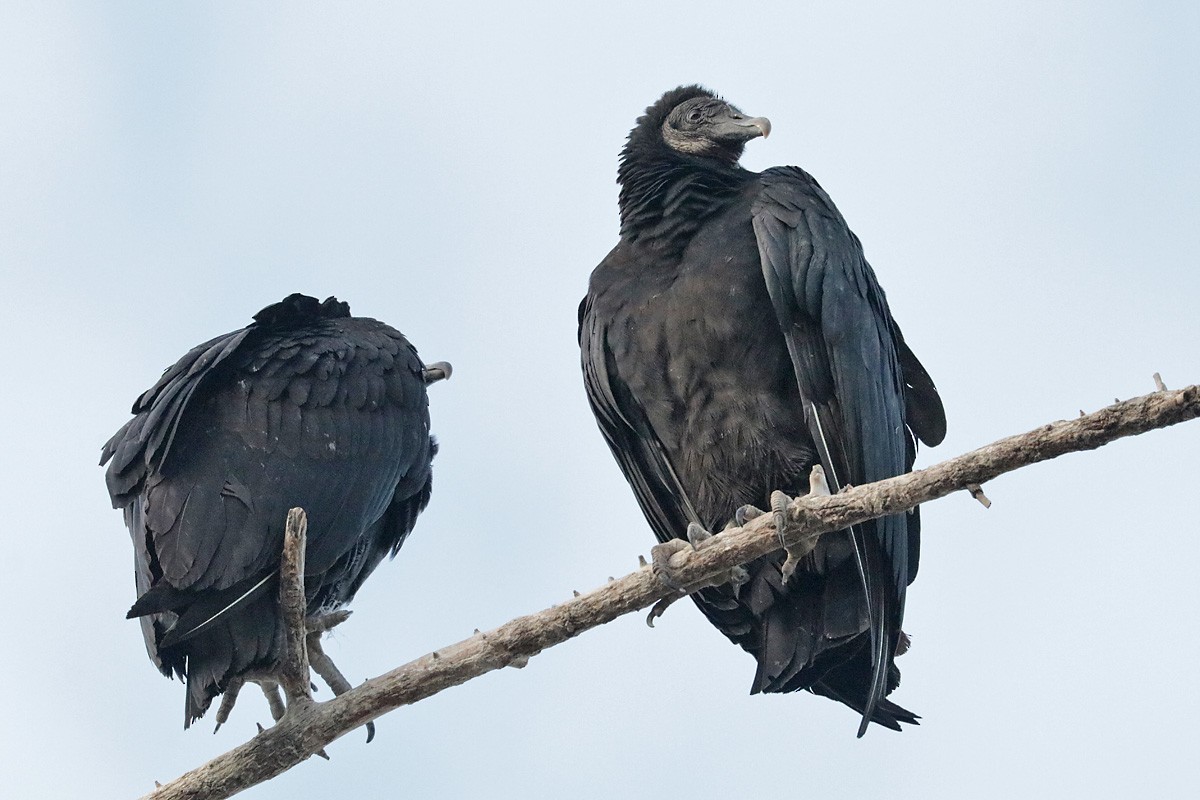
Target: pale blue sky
<point>1024,179</point>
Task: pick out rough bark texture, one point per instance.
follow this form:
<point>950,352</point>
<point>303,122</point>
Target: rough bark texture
<point>309,727</point>
<point>294,670</point>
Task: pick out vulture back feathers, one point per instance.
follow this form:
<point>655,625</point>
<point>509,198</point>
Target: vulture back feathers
<point>308,407</point>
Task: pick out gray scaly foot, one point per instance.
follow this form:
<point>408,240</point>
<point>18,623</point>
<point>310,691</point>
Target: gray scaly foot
<point>661,557</point>
<point>320,661</point>
<point>817,487</point>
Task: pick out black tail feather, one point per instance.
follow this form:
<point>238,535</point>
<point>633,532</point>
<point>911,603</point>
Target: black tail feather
<point>845,684</point>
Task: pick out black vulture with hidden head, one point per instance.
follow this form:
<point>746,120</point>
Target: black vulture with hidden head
<point>734,340</point>
<point>308,406</point>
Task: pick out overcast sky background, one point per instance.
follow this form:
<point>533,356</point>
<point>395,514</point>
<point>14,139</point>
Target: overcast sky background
<point>1023,177</point>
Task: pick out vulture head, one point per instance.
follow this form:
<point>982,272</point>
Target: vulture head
<point>707,126</point>
<point>694,121</point>
<point>691,137</point>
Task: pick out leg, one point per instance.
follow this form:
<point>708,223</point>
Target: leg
<point>817,487</point>
<point>228,700</point>
<point>274,694</point>
<point>320,661</point>
<point>270,690</point>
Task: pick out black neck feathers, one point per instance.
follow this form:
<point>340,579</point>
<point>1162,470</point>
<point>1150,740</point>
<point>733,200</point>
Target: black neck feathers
<point>666,195</point>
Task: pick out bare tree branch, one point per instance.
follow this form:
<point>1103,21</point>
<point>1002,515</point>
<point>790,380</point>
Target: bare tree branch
<point>294,671</point>
<point>307,729</point>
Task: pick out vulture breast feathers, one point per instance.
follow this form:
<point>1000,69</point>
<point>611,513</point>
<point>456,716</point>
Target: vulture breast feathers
<point>733,339</point>
<point>308,407</point>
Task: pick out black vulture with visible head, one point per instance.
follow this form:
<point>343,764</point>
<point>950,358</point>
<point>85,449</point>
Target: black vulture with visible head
<point>308,406</point>
<point>734,339</point>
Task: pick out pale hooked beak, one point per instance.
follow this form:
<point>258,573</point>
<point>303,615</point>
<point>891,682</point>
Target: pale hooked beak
<point>437,371</point>
<point>739,126</point>
<point>762,123</point>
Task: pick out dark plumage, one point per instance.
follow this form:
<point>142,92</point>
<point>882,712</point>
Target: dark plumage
<point>734,338</point>
<point>306,407</point>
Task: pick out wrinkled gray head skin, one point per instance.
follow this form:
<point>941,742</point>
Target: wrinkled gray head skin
<point>711,128</point>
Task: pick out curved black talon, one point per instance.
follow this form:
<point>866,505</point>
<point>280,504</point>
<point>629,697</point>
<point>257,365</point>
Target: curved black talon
<point>660,608</point>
